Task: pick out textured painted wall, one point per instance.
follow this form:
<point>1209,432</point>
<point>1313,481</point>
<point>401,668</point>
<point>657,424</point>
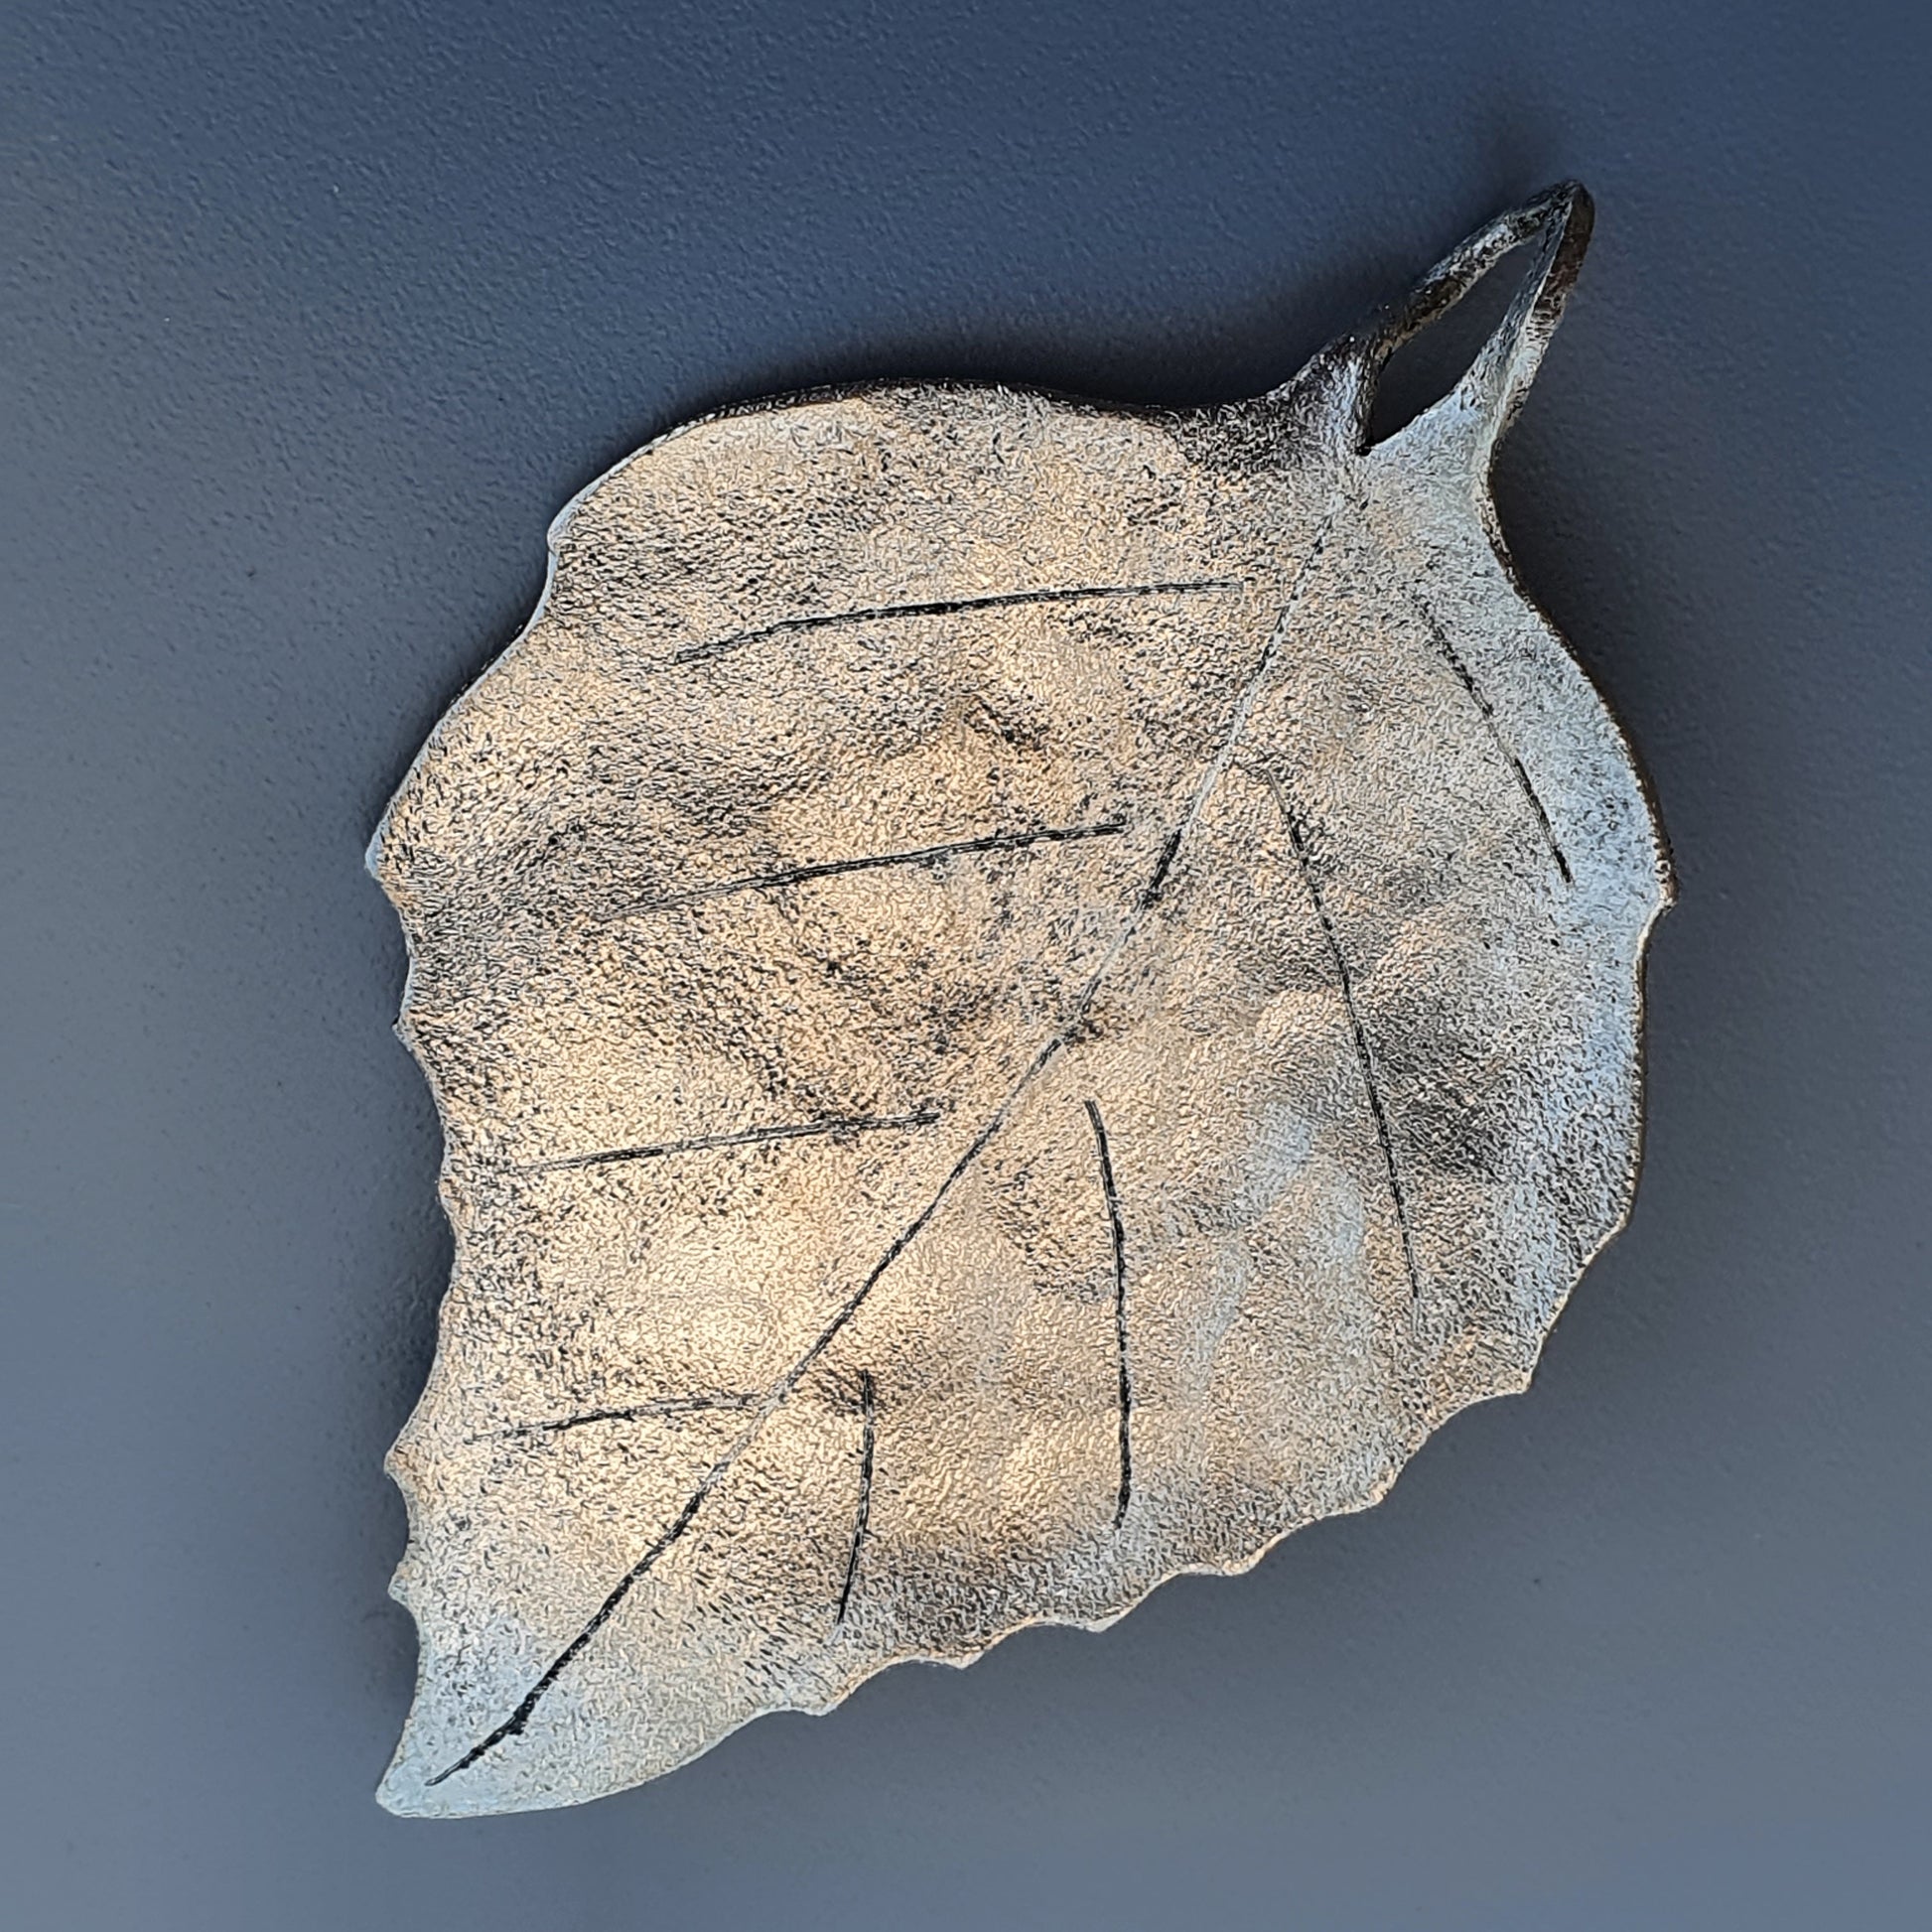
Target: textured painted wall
<point>311,318</point>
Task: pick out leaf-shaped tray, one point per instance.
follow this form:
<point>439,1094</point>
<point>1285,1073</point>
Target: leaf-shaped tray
<point>1023,997</point>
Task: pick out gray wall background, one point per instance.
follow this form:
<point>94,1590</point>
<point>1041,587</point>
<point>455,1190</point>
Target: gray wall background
<point>311,316</point>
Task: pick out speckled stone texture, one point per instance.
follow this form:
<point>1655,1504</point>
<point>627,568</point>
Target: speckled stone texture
<point>1023,995</point>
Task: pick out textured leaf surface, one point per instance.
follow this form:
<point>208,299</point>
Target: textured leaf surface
<point>1023,998</point>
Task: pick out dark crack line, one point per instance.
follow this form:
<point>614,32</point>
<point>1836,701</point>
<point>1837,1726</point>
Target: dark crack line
<point>674,1405</point>
<point>774,1396</point>
<point>1162,865</point>
<point>1506,751</point>
<point>867,1399</point>
<point>1299,844</point>
<point>1112,1194</point>
<point>924,855</point>
<point>747,1137</point>
<point>946,606</point>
